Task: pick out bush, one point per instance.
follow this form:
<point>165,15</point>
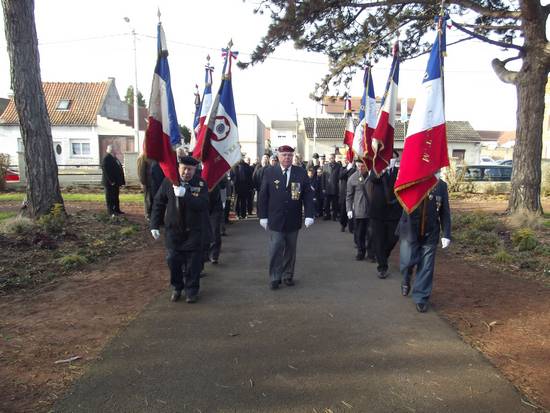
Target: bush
<point>18,226</point>
<point>54,222</point>
<point>524,239</point>
<point>72,260</point>
<point>503,257</point>
<point>127,231</point>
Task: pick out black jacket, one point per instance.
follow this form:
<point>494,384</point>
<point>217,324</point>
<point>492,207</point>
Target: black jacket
<point>345,173</point>
<point>330,178</point>
<point>258,175</point>
<point>383,204</point>
<point>182,216</point>
<point>113,174</point>
<point>243,178</point>
<point>276,203</point>
<point>436,213</point>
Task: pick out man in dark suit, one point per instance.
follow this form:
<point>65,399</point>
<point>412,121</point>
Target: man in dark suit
<point>347,170</point>
<point>112,178</point>
<point>384,214</point>
<point>182,207</point>
<point>329,181</point>
<point>419,234</point>
<point>243,187</point>
<point>285,190</point>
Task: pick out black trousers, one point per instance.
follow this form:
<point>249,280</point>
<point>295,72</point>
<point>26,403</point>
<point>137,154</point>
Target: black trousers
<point>384,239</point>
<point>344,220</point>
<point>111,198</point>
<point>216,219</point>
<point>250,202</point>
<point>362,237</point>
<point>185,269</point>
<point>319,205</point>
<point>241,207</point>
<point>227,210</point>
<point>331,206</point>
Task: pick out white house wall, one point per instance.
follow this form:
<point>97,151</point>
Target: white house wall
<point>62,135</point>
<point>251,135</point>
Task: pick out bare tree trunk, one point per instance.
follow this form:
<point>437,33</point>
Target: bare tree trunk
<point>526,175</point>
<point>42,181</point>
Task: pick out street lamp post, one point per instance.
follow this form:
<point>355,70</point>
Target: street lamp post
<point>136,109</point>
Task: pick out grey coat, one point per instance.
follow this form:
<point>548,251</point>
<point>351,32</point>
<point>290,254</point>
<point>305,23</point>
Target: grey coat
<point>356,196</point>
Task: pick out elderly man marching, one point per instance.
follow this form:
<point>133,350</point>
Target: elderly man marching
<point>182,208</point>
<point>284,191</point>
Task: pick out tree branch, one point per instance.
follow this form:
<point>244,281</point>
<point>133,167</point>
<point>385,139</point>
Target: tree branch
<point>468,4</point>
<point>486,39</point>
<point>505,75</point>
<point>448,44</point>
<point>489,27</point>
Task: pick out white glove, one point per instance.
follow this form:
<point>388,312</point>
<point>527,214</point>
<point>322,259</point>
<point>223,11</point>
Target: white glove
<point>155,233</point>
<point>223,205</point>
<point>392,162</point>
<point>308,222</point>
<point>263,223</point>
<point>350,165</point>
<point>445,242</point>
<point>179,190</point>
<point>350,214</point>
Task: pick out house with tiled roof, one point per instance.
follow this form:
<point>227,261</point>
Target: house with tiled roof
<point>85,117</point>
<point>462,140</point>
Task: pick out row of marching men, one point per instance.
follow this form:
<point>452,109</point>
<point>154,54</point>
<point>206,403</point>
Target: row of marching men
<point>379,222</point>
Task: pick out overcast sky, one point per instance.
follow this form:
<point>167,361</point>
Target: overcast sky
<point>89,41</point>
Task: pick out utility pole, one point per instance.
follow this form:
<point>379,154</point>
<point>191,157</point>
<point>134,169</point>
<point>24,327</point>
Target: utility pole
<point>136,109</point>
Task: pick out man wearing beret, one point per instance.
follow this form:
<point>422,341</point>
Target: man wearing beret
<point>184,206</point>
<point>284,192</point>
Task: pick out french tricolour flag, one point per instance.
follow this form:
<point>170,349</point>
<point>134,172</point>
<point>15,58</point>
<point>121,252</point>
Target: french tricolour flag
<point>197,116</point>
<point>383,136</point>
<point>206,104</point>
<point>163,129</point>
<point>367,121</point>
<point>425,150</point>
<point>349,132</point>
<point>219,137</point>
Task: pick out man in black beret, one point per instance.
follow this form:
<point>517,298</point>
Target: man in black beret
<point>284,191</point>
<point>184,204</point>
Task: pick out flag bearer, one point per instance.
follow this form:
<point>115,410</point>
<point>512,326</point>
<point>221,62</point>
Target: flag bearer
<point>419,234</point>
<point>184,206</point>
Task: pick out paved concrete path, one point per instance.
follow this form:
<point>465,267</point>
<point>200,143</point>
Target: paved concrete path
<point>341,340</point>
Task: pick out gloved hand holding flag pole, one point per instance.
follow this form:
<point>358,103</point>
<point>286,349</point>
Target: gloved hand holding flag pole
<point>425,150</point>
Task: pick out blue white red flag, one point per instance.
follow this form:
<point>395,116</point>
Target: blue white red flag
<point>162,130</point>
<point>219,137</point>
<point>367,121</point>
<point>206,104</point>
<point>425,150</point>
<point>349,132</point>
<point>383,135</point>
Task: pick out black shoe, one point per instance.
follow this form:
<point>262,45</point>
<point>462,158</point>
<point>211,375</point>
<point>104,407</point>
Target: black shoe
<point>274,285</point>
<point>192,299</point>
<point>202,274</point>
<point>214,261</point>
<point>289,282</point>
<point>383,274</point>
<point>405,289</point>
<point>176,295</point>
<point>343,229</point>
<point>422,307</point>
<point>326,218</point>
<point>360,257</point>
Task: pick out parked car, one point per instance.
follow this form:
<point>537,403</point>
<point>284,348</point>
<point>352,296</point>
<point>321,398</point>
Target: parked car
<point>507,162</point>
<point>485,172</point>
<point>12,176</point>
<point>487,160</point>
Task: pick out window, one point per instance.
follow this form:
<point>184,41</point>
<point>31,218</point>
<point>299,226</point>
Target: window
<point>80,149</point>
<point>63,104</point>
<point>459,154</point>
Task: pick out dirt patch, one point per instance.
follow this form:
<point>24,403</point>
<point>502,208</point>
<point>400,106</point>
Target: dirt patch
<point>506,318</point>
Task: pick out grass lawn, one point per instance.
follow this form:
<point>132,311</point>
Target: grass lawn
<point>75,197</point>
<point>7,214</point>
